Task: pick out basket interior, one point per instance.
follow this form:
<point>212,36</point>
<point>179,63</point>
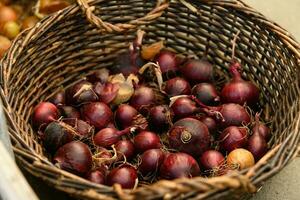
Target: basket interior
<point>59,54</point>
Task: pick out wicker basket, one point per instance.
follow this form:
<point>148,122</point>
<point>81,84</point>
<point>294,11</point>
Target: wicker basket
<point>71,43</point>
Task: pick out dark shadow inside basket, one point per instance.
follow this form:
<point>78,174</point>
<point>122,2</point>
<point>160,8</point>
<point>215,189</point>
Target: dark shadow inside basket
<point>66,52</point>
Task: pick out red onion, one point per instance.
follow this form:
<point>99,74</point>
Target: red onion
<point>74,157</point>
<point>227,114</point>
<point>126,148</point>
<point>206,93</point>
<point>179,165</point>
<point>233,137</point>
<point>69,112</point>
<point>81,92</point>
<point>257,145</point>
<point>124,175</point>
<point>109,136</point>
<point>212,159</point>
<point>44,113</point>
<point>151,161</point>
<point>101,75</point>
<point>197,71</point>
<point>261,128</point>
<point>124,115</point>
<point>97,114</point>
<point>177,86</point>
<point>190,136</point>
<point>57,134</point>
<point>167,61</point>
<point>160,117</point>
<point>238,90</point>
<point>97,176</point>
<point>183,107</point>
<point>146,140</point>
<point>58,99</point>
<point>210,123</point>
<point>143,96</point>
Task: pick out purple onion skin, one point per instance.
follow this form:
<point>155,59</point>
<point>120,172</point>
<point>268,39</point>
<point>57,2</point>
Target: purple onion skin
<point>97,114</point>
<point>261,128</point>
<point>233,137</point>
<point>257,145</point>
<point>238,90</point>
<point>160,117</point>
<point>97,176</point>
<point>211,159</point>
<point>183,107</point>
<point>167,61</point>
<point>197,71</point>
<point>206,93</point>
<point>143,96</point>
<point>124,115</point>
<point>234,115</point>
<point>106,137</point>
<point>125,175</point>
<point>177,86</point>
<point>146,140</point>
<point>74,157</point>
<point>43,114</point>
<point>190,136</point>
<point>151,161</point>
<point>210,123</point>
<point>179,165</point>
<point>126,148</point>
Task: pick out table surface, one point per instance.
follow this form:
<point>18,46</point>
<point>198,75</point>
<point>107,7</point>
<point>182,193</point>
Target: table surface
<point>283,186</point>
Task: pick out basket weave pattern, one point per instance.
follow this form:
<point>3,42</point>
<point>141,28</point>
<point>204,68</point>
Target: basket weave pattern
<point>70,44</point>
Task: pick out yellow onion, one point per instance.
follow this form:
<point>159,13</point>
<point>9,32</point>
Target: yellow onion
<point>240,158</point>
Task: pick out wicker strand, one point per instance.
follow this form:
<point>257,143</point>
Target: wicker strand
<point>99,23</point>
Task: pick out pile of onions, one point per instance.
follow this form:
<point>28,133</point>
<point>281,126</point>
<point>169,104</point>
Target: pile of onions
<point>121,126</point>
